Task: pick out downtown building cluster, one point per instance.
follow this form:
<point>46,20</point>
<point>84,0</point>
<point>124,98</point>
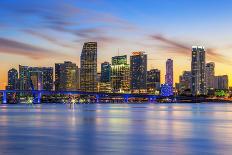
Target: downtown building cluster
<point>119,75</point>
<point>201,80</point>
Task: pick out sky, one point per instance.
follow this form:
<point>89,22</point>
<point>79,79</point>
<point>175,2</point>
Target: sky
<point>45,32</point>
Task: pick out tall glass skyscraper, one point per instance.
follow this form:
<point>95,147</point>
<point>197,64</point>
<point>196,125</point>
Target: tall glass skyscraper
<point>37,78</point>
<point>120,74</point>
<point>88,72</point>
<point>105,72</point>
<point>169,72</point>
<point>209,75</point>
<point>198,71</point>
<point>138,72</point>
<point>13,79</point>
<point>66,76</point>
<point>153,81</point>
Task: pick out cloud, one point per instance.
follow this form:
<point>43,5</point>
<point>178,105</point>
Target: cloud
<point>185,49</point>
<point>8,46</point>
<point>48,38</point>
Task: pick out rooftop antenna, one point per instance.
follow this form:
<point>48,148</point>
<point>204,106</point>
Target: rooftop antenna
<point>118,51</point>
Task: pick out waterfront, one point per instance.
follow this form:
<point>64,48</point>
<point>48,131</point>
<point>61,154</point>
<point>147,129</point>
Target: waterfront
<point>116,129</point>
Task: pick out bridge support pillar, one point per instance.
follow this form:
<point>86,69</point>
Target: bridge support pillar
<point>126,99</point>
<point>39,95</point>
<point>4,97</point>
<point>97,98</point>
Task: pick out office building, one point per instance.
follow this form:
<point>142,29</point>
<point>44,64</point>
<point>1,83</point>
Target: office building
<point>153,81</point>
<point>13,82</point>
<point>105,72</point>
<point>88,72</point>
<point>198,71</point>
<point>66,76</point>
<point>221,82</point>
<point>209,75</point>
<point>138,72</point>
<point>120,74</point>
<point>169,72</point>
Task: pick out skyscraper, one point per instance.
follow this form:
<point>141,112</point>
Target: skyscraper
<point>153,80</point>
<point>24,78</point>
<point>120,74</point>
<point>221,82</point>
<point>47,77</point>
<point>13,79</point>
<point>169,72</point>
<point>198,70</point>
<point>66,77</point>
<point>209,75</point>
<point>185,82</point>
<point>105,72</point>
<point>88,71</point>
<point>36,77</point>
<point>138,72</point>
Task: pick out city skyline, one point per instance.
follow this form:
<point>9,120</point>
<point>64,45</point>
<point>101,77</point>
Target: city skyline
<point>24,32</point>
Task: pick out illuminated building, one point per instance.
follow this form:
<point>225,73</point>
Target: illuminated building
<point>25,75</point>
<point>153,81</point>
<point>104,87</point>
<point>166,90</point>
<point>209,75</point>
<point>88,72</point>
<point>120,74</point>
<point>198,71</point>
<point>36,80</point>
<point>138,72</point>
<point>13,82</point>
<point>24,78</point>
<point>221,82</point>
<point>66,76</point>
<point>105,72</point>
<point>169,72</point>
<point>185,83</point>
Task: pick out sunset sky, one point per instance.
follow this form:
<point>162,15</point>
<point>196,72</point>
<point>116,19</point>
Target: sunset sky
<point>41,33</point>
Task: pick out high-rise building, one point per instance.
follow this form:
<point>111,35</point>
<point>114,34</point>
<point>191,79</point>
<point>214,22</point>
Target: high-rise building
<point>66,76</point>
<point>209,75</point>
<point>153,80</point>
<point>13,82</point>
<point>36,77</point>
<point>88,72</point>
<point>221,82</point>
<point>28,74</point>
<point>198,71</point>
<point>138,72</point>
<point>120,74</point>
<point>105,72</point>
<point>185,83</point>
<point>24,78</point>
<point>169,72</point>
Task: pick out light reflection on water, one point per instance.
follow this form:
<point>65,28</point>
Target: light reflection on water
<point>116,129</point>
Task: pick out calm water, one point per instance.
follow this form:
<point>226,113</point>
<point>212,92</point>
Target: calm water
<point>116,129</point>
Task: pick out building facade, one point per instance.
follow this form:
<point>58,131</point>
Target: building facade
<point>120,74</point>
<point>105,72</point>
<point>209,75</point>
<point>169,72</point>
<point>185,81</point>
<point>13,81</point>
<point>198,71</point>
<point>88,72</point>
<point>153,81</point>
<point>221,82</point>
<point>66,76</point>
<point>138,72</point>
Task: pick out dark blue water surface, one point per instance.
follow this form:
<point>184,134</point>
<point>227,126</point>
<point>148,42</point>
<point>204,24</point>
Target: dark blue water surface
<point>116,129</point>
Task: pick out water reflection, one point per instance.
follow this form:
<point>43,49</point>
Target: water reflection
<point>116,129</point>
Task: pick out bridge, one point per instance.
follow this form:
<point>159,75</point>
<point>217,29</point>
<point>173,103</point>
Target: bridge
<point>37,95</point>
